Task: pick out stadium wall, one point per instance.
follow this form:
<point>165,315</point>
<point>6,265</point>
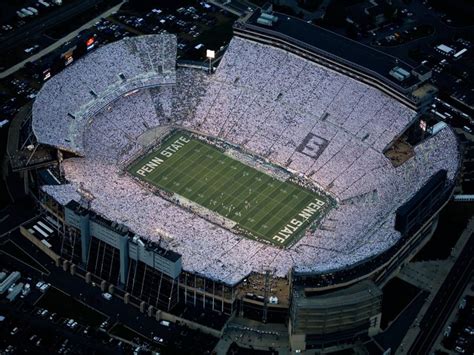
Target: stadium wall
<point>414,212</point>
<point>143,269</point>
<point>334,318</point>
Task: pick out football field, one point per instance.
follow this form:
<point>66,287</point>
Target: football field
<point>262,206</point>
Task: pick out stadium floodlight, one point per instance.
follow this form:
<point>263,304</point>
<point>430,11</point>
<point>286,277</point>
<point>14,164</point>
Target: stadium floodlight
<point>210,54</point>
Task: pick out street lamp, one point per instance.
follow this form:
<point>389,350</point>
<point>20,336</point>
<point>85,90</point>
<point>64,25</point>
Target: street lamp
<point>210,54</point>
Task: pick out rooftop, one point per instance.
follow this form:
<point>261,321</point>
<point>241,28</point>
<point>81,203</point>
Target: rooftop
<point>422,69</point>
<point>356,293</point>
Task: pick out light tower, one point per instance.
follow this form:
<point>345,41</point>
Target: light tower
<point>210,54</point>
<point>86,196</point>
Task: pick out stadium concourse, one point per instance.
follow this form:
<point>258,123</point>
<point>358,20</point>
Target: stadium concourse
<point>311,120</point>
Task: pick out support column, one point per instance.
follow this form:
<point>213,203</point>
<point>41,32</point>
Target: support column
<point>65,265</point>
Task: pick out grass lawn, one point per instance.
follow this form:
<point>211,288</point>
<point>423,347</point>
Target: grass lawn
<point>266,208</point>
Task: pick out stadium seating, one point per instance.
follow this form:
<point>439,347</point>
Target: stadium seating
<point>298,114</point>
<point>88,86</point>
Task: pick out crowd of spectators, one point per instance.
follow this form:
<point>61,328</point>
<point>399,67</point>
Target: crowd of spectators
<point>315,122</point>
<point>83,89</point>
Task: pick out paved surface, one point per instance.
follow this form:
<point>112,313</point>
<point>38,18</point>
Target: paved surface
<point>60,42</point>
<point>454,314</point>
<point>393,336</point>
<point>223,345</point>
<point>93,344</point>
<point>445,300</point>
<point>35,26</point>
<point>12,216</point>
<point>254,335</point>
<point>427,275</point>
<point>115,309</point>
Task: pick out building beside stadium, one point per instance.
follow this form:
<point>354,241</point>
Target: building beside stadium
<point>291,107</point>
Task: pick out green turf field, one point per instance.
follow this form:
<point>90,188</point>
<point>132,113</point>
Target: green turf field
<point>261,205</point>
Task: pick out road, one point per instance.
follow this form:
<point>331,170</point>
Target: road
<point>38,25</point>
<point>445,300</point>
<point>60,42</point>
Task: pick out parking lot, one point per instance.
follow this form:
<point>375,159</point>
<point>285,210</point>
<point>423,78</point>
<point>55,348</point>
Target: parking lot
<point>79,314</point>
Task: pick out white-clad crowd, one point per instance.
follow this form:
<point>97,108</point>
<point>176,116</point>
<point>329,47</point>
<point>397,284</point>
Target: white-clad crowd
<point>295,113</point>
<point>83,89</point>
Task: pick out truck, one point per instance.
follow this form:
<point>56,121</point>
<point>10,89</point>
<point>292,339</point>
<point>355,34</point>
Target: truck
<point>33,10</point>
<point>26,12</point>
<point>440,115</point>
<point>26,289</point>
<point>44,3</point>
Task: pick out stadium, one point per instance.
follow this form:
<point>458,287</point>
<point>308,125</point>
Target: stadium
<point>276,188</point>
